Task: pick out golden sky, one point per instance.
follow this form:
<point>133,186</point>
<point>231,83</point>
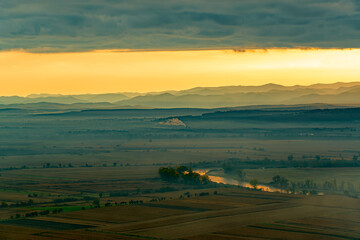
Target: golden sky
<point>24,73</point>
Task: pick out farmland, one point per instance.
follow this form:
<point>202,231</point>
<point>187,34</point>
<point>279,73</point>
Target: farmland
<point>94,175</point>
<point>226,213</point>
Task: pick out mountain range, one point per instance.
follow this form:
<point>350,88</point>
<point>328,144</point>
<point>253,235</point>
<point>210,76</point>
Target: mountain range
<point>207,97</point>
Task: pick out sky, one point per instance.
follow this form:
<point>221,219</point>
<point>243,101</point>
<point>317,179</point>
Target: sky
<point>72,46</point>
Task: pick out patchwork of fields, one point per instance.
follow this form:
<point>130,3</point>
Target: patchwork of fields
<point>94,174</point>
<point>226,213</point>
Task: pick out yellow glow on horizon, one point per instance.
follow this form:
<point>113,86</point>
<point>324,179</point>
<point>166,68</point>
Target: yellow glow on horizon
<point>24,73</point>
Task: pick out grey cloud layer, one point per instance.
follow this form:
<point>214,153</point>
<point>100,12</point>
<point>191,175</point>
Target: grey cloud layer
<point>75,25</point>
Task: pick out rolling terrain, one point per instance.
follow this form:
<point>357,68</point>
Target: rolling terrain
<point>89,170</point>
<point>214,97</point>
<point>226,213</point>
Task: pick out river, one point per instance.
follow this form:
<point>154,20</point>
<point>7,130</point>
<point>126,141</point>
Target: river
<point>231,181</point>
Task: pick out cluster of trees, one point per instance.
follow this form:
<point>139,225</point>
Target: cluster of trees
<point>229,169</point>
<point>135,202</point>
<point>13,168</point>
<point>201,194</point>
<point>183,174</point>
<point>37,213</point>
<point>158,199</point>
<point>204,194</point>
<point>62,200</point>
<point>280,182</point>
<point>114,164</point>
<point>306,162</point>
<point>48,165</point>
<point>30,202</point>
<point>321,163</point>
<point>69,165</point>
<point>310,187</point>
<point>254,183</point>
<point>57,210</point>
<point>96,203</point>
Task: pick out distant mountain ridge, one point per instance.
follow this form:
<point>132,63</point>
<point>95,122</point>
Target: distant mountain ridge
<point>210,97</point>
<point>269,94</point>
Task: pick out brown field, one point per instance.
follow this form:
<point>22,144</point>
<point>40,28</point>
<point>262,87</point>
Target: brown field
<point>123,214</point>
<point>232,213</point>
<point>166,212</point>
<point>55,183</point>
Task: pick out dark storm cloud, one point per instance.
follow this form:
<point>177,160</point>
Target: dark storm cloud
<point>74,25</point>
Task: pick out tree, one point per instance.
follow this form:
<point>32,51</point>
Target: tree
<point>181,169</point>
<point>283,183</point>
<point>276,179</point>
<point>227,166</point>
<point>254,183</point>
<point>310,184</point>
<point>293,187</point>
<point>168,174</point>
<point>191,177</point>
<point>204,179</point>
<point>241,174</point>
<point>291,157</point>
<point>280,182</point>
<point>30,202</point>
<point>183,174</point>
<point>96,202</point>
<point>329,185</point>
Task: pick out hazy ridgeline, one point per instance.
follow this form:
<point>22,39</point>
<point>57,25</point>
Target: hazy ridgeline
<point>206,97</point>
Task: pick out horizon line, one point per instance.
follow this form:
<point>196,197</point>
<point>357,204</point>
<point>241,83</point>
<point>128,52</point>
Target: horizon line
<point>185,89</point>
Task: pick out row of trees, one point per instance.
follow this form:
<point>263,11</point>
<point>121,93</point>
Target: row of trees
<point>69,165</point>
<point>229,169</point>
<point>30,202</point>
<point>306,162</point>
<point>183,174</point>
<point>309,186</point>
<point>38,213</point>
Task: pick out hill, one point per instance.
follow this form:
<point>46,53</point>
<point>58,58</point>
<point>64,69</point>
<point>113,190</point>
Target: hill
<point>210,97</point>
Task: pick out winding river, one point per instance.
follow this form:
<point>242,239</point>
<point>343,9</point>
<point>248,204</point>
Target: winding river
<point>231,181</point>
